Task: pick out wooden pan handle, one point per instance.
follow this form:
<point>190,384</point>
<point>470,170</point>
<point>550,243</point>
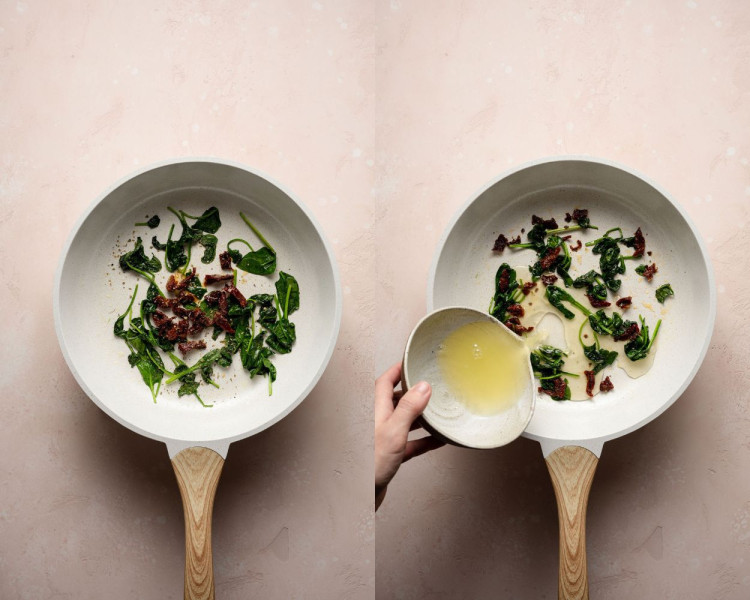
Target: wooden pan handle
<point>572,471</point>
<point>198,470</point>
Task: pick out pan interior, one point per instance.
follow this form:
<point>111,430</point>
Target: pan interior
<point>92,291</point>
<point>464,269</point>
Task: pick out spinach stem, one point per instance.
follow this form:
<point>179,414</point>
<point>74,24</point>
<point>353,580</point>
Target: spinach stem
<point>569,229</point>
<point>256,232</point>
<point>286,302</point>
<point>653,339</point>
<point>239,240</point>
<point>130,306</point>
<point>606,234</point>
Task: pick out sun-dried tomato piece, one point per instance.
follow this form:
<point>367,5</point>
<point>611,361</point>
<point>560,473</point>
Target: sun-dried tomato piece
<point>177,281</point>
<point>631,332</point>
<point>164,303</point>
<point>210,279</point>
<point>501,243</point>
<point>221,321</point>
<point>185,297</point>
<point>527,287</point>
<point>516,310</point>
<point>171,283</point>
<point>548,223</point>
<point>504,281</point>
<point>159,318</point>
<point>514,324</point>
<point>649,271</point>
<point>174,330</point>
<point>596,302</point>
<point>223,303</point>
<point>548,279</point>
<point>590,381</point>
<point>606,385</point>
<point>212,298</point>
<point>186,347</point>
<point>549,257</point>
<point>577,247</point>
<point>182,327</point>
<point>558,392</point>
<point>225,260</point>
<point>580,213</point>
<point>198,321</point>
<point>639,243</point>
<point>624,303</point>
<point>181,311</point>
<point>236,294</point>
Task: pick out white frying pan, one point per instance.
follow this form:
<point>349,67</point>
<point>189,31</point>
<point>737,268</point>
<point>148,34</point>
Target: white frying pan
<point>572,433</point>
<point>91,291</point>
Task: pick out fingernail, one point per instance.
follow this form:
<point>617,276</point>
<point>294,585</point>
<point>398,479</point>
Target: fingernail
<point>422,387</point>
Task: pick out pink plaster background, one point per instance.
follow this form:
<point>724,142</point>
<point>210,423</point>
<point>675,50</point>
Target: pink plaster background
<point>467,90</point>
<point>90,92</point>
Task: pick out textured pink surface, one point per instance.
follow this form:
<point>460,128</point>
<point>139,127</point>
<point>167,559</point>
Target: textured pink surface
<point>383,118</point>
<point>662,87</point>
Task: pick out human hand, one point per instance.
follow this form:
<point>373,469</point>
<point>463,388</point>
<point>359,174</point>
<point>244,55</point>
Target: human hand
<point>395,413</point>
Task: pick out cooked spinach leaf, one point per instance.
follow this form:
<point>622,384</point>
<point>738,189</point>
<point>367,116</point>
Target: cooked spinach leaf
<point>209,242</point>
<point>598,356</point>
<point>547,363</point>
<point>137,260</point>
<point>152,223</point>
<point>663,292</point>
<point>287,291</point>
<point>259,262</point>
<point>639,348</point>
<point>557,296</point>
<point>209,221</point>
<point>507,292</point>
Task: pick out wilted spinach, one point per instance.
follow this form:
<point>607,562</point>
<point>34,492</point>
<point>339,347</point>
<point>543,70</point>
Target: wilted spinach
<point>143,354</point>
<point>547,363</point>
<point>507,292</point>
<point>257,262</point>
<point>152,223</point>
<point>597,355</point>
<point>639,348</point>
<point>209,242</point>
<point>178,252</point>
<point>663,292</point>
<point>557,296</point>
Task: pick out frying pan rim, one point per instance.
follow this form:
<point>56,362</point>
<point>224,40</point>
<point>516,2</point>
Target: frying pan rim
<point>174,444</point>
<point>594,443</point>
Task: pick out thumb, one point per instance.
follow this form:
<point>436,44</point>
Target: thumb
<point>411,405</point>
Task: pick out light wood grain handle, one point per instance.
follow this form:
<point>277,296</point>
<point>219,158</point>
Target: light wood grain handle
<point>572,471</point>
<point>198,470</point>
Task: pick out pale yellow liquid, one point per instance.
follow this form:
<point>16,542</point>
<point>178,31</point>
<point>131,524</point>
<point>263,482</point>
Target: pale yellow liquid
<point>485,369</point>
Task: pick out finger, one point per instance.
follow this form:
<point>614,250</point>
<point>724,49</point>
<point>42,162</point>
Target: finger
<point>420,446</point>
<point>384,392</point>
<point>411,405</point>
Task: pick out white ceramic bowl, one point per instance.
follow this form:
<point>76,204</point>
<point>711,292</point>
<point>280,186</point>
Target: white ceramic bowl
<point>445,415</point>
